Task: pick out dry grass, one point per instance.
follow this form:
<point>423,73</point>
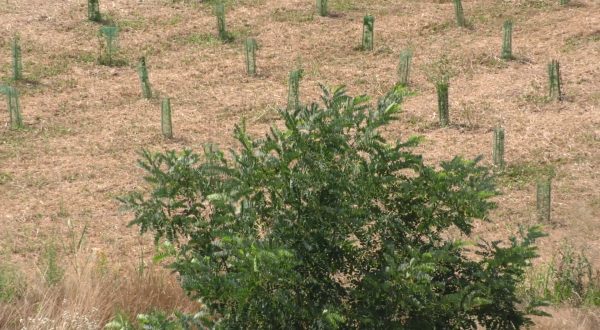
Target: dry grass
<point>570,318</point>
<point>86,122</point>
<point>89,295</point>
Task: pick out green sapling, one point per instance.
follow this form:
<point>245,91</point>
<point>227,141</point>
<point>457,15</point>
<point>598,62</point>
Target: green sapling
<point>143,73</point>
<point>166,123</point>
<point>294,89</point>
<point>16,59</point>
<point>251,47</point>
<point>368,32</point>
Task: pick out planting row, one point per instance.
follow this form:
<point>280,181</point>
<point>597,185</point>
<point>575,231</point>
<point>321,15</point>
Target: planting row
<point>110,34</point>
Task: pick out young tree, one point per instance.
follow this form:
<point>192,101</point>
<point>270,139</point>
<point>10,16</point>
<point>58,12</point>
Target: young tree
<point>326,224</point>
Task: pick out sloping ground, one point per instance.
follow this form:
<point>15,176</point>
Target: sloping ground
<point>85,122</point>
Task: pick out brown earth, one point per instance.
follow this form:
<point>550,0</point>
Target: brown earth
<point>86,123</point>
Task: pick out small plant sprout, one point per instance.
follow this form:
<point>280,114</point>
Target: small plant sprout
<point>554,81</point>
<point>322,7</point>
<point>221,26</point>
<point>507,40</point>
<point>110,34</point>
<point>442,93</point>
<point>564,2</point>
<point>498,151</point>
<point>251,47</point>
<point>439,73</point>
<point>16,59</point>
<point>460,16</point>
<point>294,90</point>
<point>14,109</point>
<point>368,27</point>
<point>94,10</point>
<point>165,122</point>
<point>404,67</point>
<point>53,273</point>
<point>544,190</point>
<point>143,73</point>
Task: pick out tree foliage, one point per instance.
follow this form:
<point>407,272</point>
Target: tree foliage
<point>325,224</point>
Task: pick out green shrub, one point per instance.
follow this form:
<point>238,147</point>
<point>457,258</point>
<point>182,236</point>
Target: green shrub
<point>325,224</point>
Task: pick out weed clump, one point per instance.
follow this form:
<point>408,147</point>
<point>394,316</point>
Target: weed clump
<point>12,283</point>
<point>568,278</point>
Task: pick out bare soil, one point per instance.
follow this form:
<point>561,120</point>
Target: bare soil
<point>86,123</point>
